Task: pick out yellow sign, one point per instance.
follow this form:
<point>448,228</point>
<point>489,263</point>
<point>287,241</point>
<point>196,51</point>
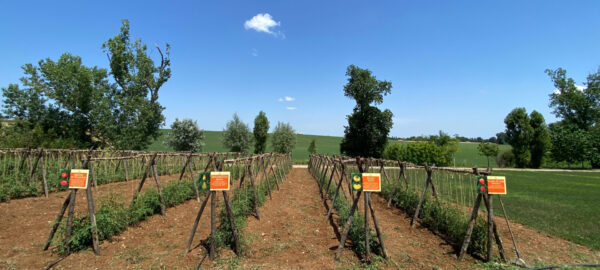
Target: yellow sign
<point>496,184</point>
<point>371,182</point>
<point>78,179</point>
<point>219,180</point>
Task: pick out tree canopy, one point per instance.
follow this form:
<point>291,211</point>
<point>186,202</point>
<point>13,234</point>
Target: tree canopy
<point>261,129</point>
<point>368,127</point>
<point>186,136</point>
<point>284,138</point>
<point>64,103</point>
<point>236,135</point>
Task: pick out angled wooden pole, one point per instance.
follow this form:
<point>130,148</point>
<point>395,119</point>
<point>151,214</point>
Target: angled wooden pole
<point>377,229</point>
<point>427,182</point>
<point>56,223</point>
<point>163,206</point>
<point>195,226</point>
<point>467,239</point>
<point>91,211</point>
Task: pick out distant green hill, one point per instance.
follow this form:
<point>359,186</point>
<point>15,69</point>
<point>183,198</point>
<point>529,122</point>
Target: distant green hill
<point>467,155</point>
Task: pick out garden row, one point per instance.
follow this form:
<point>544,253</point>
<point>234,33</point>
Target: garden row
<point>252,178</point>
<point>404,185</point>
<point>32,172</point>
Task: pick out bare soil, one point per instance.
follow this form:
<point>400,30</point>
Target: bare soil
<point>292,233</point>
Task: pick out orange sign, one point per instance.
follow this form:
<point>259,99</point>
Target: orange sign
<point>496,184</point>
<point>78,179</point>
<point>219,181</point>
<point>371,182</point>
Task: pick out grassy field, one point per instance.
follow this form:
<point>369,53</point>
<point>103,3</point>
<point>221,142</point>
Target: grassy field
<point>467,156</point>
<point>563,204</point>
<point>212,143</point>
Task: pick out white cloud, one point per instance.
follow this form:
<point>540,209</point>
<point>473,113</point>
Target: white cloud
<point>254,52</point>
<point>579,87</point>
<point>291,108</point>
<point>286,98</point>
<point>262,23</point>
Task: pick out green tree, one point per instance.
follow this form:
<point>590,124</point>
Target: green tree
<point>186,136</point>
<point>284,138</point>
<point>261,129</point>
<point>488,150</point>
<point>421,153</point>
<point>569,144</point>
<point>579,110</point>
<point>139,114</point>
<point>236,135</point>
<point>312,147</point>
<point>540,142</point>
<point>519,135</point>
<point>368,127</point>
<point>60,99</point>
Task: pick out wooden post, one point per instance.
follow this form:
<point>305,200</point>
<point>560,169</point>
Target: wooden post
<point>232,224</point>
<point>37,160</point>
<point>367,231</point>
<point>195,226</point>
<point>249,168</point>
<point>187,161</point>
<point>195,181</point>
<point>379,234</point>
<point>467,239</point>
<point>59,217</point>
<point>93,173</point>
<point>266,178</point>
<point>70,220</point>
<point>163,206</point>
<point>45,182</point>
<point>144,176</point>
<point>90,203</point>
<point>338,253</point>
<point>337,190</point>
<point>213,224</point>
<point>414,218</point>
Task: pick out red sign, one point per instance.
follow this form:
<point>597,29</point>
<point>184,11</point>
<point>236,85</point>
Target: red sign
<point>496,184</point>
<point>219,181</point>
<point>371,182</point>
<point>78,179</point>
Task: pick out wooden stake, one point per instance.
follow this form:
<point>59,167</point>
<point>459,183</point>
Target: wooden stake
<point>467,239</point>
<point>59,217</point>
<point>213,224</point>
<point>338,253</point>
<point>163,210</point>
<point>367,231</point>
<point>195,226</point>
<point>379,234</point>
<point>70,221</point>
<point>414,218</point>
<point>44,177</point>
<point>232,224</point>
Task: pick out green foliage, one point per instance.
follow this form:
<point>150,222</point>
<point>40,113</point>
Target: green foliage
<point>185,136</point>
<point>488,150</point>
<point>236,135</point>
<point>579,109</point>
<point>284,138</point>
<point>312,147</point>
<point>261,129</point>
<point>540,143</point>
<point>368,127</point>
<point>136,99</point>
<point>421,153</point>
<point>66,104</point>
<point>520,134</point>
<point>569,144</point>
<point>113,217</point>
<point>506,159</point>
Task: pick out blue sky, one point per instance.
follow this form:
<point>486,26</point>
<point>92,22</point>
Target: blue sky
<point>457,66</point>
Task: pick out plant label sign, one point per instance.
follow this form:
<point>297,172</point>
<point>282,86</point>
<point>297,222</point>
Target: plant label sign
<point>496,184</point>
<point>204,181</point>
<point>214,181</point>
<point>78,179</point>
<point>370,182</point>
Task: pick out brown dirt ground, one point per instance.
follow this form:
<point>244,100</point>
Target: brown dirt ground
<point>292,233</point>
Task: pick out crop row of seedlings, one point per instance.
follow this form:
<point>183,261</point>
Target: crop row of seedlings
<point>115,214</point>
<point>445,208</point>
<point>329,174</point>
<point>32,172</point>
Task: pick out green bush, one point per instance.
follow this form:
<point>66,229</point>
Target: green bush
<point>506,159</point>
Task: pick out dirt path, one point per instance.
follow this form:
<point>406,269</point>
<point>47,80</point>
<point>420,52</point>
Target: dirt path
<point>293,231</point>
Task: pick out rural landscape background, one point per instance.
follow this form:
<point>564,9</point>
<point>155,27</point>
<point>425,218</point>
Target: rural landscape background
<point>298,102</point>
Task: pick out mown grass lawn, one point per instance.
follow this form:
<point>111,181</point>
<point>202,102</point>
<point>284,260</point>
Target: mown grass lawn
<point>564,204</point>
